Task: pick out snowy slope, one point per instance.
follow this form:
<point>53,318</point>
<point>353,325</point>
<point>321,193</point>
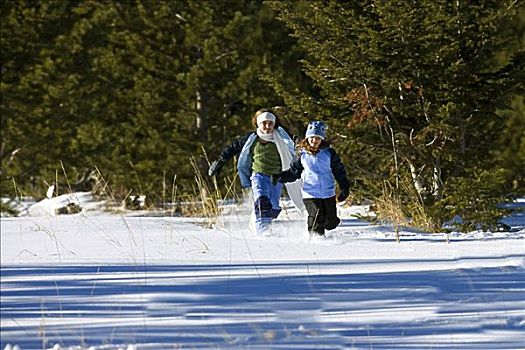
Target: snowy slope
<point>129,281</point>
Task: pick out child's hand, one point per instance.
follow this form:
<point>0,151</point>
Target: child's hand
<point>216,166</point>
<point>343,194</point>
<point>275,178</point>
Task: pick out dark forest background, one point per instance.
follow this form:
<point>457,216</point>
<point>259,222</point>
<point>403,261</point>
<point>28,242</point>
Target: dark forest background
<point>424,99</point>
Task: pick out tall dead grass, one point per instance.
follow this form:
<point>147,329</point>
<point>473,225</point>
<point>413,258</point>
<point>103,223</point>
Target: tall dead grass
<point>209,196</point>
<point>402,206</point>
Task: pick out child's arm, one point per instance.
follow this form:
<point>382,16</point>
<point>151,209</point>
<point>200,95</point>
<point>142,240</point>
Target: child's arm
<point>228,153</point>
<point>291,174</point>
<point>339,172</point>
<point>234,148</point>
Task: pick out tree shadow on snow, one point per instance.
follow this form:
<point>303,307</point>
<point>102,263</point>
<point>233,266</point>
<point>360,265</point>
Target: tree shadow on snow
<point>289,306</point>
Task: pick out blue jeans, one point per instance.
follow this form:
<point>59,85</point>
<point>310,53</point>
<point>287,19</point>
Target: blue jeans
<point>266,201</point>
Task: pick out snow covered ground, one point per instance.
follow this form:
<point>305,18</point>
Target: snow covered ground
<point>97,280</point>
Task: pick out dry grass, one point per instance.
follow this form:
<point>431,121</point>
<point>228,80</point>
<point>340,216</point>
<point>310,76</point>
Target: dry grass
<point>204,201</point>
<point>402,206</point>
<point>208,195</point>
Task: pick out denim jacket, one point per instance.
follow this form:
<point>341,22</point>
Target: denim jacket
<point>243,146</point>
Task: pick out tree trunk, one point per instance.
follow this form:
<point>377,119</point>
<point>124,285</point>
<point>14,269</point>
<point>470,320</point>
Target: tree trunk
<point>201,117</point>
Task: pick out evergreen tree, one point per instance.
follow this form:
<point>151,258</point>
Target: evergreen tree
<point>511,146</point>
<point>131,88</point>
<point>414,89</point>
<point>35,114</point>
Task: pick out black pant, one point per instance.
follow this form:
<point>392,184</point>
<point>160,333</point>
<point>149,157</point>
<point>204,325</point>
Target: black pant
<point>322,214</point>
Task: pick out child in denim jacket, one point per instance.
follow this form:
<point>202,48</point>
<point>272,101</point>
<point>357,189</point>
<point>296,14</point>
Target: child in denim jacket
<point>262,153</point>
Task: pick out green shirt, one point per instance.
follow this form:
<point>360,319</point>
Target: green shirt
<point>265,158</point>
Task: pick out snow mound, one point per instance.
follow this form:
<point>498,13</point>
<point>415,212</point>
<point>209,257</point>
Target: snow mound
<point>70,203</point>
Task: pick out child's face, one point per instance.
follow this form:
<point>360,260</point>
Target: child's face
<point>266,126</point>
<point>314,141</point>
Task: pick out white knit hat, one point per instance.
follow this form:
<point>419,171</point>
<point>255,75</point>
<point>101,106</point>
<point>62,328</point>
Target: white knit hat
<point>265,116</point>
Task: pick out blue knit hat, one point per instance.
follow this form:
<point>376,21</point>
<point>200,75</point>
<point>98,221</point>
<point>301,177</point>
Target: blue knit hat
<point>316,128</point>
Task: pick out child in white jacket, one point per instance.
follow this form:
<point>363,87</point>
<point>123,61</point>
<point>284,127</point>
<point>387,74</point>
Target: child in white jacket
<point>320,167</point>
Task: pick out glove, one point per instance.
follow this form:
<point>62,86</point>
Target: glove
<point>216,166</point>
<point>275,178</point>
<point>343,194</point>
